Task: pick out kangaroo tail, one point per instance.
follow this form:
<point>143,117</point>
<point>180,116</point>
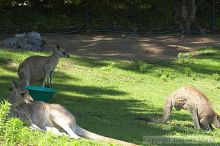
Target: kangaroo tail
<point>87,134</point>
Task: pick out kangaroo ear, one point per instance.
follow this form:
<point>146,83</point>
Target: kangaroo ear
<point>14,84</point>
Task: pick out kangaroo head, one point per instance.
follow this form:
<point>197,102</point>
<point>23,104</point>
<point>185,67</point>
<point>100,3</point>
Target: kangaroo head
<point>19,95</point>
<point>61,52</point>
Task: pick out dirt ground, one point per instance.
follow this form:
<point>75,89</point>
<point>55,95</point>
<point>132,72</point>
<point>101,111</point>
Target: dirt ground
<point>127,46</point>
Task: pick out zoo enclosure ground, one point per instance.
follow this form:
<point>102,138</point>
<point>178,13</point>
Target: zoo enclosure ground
<point>127,46</point>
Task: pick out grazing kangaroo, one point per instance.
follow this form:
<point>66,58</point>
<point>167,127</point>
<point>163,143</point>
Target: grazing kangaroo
<point>43,116</point>
<point>194,101</point>
<point>36,68</point>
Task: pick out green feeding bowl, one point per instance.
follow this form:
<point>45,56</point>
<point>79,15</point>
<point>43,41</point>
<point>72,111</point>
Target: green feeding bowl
<point>41,93</point>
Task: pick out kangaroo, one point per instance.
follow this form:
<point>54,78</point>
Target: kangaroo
<point>44,116</point>
<point>37,68</point>
<point>194,101</point>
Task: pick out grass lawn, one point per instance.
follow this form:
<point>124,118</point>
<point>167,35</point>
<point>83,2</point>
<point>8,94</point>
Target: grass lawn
<point>115,98</point>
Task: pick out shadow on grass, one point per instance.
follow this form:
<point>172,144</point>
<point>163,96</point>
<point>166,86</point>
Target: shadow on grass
<point>89,90</point>
<point>117,118</point>
<point>62,77</point>
<point>4,60</point>
<point>109,117</point>
<point>151,66</point>
<point>208,53</point>
<point>89,62</point>
<point>5,85</point>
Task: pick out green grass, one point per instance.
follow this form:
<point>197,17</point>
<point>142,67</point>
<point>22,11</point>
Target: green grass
<point>115,98</point>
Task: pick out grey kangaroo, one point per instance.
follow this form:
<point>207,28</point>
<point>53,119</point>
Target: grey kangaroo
<point>194,101</point>
<point>40,68</point>
<point>44,116</point>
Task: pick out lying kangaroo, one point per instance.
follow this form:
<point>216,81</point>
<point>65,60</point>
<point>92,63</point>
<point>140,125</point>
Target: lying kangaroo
<point>43,116</point>
<point>196,103</point>
<point>36,68</point>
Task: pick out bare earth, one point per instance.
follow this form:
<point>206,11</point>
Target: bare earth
<point>127,46</point>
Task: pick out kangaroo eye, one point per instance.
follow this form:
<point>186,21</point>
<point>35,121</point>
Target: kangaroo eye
<point>22,93</point>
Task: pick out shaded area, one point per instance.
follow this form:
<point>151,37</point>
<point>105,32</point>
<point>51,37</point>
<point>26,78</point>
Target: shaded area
<point>208,53</point>
<point>90,90</point>
<point>130,45</point>
<point>5,85</point>
<point>118,118</point>
<point>157,66</point>
<point>89,62</point>
<point>4,60</point>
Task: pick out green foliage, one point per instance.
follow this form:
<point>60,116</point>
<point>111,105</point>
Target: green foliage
<point>184,58</point>
<point>167,75</point>
<point>9,128</point>
<point>132,15</point>
<point>216,76</point>
<point>140,66</point>
<point>12,131</point>
<point>108,67</point>
<point>4,110</point>
<point>37,23</point>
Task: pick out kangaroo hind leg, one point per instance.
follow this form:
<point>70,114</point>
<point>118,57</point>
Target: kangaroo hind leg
<point>66,128</point>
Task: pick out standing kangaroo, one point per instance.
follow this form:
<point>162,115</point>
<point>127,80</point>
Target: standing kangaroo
<point>43,116</point>
<point>37,68</point>
<point>194,101</point>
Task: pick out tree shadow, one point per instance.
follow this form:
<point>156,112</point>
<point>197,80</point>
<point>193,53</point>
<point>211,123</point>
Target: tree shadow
<point>62,76</point>
<point>208,53</point>
<point>108,117</point>
<point>89,62</point>
<point>117,118</point>
<point>90,90</point>
<point>4,60</point>
<point>7,64</point>
<point>5,85</point>
<point>152,66</point>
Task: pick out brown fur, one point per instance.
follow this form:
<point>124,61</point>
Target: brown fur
<point>194,101</point>
<point>39,68</point>
<point>44,116</point>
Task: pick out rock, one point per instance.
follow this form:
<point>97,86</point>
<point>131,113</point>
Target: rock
<point>11,43</point>
<point>30,40</point>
